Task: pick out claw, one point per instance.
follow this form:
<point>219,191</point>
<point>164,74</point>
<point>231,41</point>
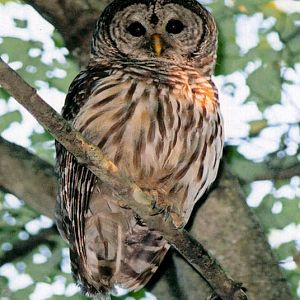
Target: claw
<point>153,204</point>
<point>156,210</point>
<point>165,207</point>
<point>165,211</point>
<point>166,215</point>
<point>213,297</point>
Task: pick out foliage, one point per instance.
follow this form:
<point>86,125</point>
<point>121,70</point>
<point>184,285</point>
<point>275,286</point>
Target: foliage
<point>260,42</point>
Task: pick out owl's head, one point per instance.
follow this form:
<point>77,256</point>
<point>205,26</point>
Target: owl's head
<point>172,31</point>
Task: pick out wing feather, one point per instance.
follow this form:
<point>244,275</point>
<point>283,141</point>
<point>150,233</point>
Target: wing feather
<point>76,182</point>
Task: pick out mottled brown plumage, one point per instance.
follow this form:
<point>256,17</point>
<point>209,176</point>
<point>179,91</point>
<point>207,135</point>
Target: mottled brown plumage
<point>147,100</point>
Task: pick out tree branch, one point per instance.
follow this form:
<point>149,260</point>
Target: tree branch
<point>64,14</point>
<point>22,248</point>
<point>20,171</point>
<point>243,248</point>
<point>267,170</point>
<point>128,192</point>
<point>279,174</point>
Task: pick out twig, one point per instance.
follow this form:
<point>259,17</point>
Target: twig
<point>128,192</point>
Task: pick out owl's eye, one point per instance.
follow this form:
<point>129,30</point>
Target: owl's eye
<point>174,26</point>
<point>136,29</point>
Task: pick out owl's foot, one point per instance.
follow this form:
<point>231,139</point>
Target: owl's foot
<point>213,297</point>
<point>167,209</point>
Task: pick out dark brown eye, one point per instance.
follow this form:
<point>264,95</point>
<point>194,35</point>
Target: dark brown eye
<point>136,29</point>
<point>174,26</point>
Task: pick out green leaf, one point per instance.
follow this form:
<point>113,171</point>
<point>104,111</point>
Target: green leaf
<point>249,7</point>
<point>136,295</point>
<point>17,49</point>
<point>49,269</point>
<point>37,138</point>
<point>265,215</point>
<point>71,69</point>
<point>257,126</point>
<point>285,250</point>
<point>238,164</point>
<point>288,215</point>
<point>58,39</point>
<point>4,94</point>
<point>290,212</point>
<point>23,293</point>
<point>229,59</point>
<point>265,86</point>
<point>3,283</point>
<point>20,23</point>
<point>33,69</point>
<point>45,151</point>
<point>293,278</point>
<point>7,119</point>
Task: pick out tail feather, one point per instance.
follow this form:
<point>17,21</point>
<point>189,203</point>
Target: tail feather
<point>120,249</point>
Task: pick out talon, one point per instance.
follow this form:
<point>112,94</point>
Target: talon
<point>153,204</point>
<point>123,204</point>
<point>213,297</point>
<point>166,216</point>
<point>157,210</point>
<point>154,213</point>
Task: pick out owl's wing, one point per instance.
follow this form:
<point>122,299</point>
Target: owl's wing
<point>109,246</point>
<point>76,182</point>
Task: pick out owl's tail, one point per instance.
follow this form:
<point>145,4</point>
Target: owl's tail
<point>121,251</point>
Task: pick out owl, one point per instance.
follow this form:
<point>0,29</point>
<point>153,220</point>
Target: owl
<point>146,99</point>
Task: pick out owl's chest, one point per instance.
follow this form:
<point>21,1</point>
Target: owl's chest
<point>148,130</point>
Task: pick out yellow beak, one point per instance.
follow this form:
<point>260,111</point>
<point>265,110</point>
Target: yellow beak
<point>157,44</point>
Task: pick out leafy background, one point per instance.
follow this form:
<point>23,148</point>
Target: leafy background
<point>258,75</point>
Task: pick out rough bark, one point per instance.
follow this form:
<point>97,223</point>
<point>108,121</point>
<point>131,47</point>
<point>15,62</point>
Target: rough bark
<point>224,222</point>
<point>28,177</point>
<point>227,227</point>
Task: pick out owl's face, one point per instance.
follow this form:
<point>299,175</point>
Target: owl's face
<point>180,31</point>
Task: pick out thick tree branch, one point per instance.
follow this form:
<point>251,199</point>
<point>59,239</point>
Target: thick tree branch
<point>279,174</point>
<point>22,248</point>
<point>128,192</point>
<point>20,171</point>
<point>64,14</point>
<point>267,170</point>
<point>243,249</point>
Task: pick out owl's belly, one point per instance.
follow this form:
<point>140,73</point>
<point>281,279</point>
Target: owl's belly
<point>161,138</point>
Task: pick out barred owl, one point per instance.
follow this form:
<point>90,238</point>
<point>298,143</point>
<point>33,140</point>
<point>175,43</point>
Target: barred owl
<point>147,100</point>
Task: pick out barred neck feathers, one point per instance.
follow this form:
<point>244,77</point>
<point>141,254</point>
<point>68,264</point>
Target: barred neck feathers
<point>175,78</point>
<point>156,68</point>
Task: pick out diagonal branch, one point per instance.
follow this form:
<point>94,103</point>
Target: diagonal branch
<point>128,192</point>
<point>38,174</point>
<point>22,248</point>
